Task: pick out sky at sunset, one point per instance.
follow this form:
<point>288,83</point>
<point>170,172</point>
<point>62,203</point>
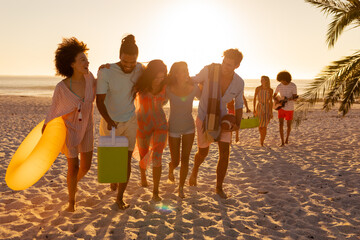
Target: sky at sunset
<point>273,35</point>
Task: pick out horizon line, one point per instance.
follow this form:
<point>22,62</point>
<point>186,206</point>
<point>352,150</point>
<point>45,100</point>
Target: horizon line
<point>40,75</point>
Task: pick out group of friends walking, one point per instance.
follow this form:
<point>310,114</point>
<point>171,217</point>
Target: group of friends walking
<point>130,98</point>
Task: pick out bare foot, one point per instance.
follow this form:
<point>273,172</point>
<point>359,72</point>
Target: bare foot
<point>113,186</point>
<point>71,207</point>
<point>267,146</point>
<point>122,205</point>
<point>171,176</point>
<point>192,180</point>
<point>143,183</point>
<point>156,197</point>
<point>221,193</point>
<point>181,192</point>
<point>287,141</point>
<point>282,144</point>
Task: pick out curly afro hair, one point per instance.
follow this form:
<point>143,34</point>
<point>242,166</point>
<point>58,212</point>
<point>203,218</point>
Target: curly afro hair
<point>65,55</point>
<point>284,76</point>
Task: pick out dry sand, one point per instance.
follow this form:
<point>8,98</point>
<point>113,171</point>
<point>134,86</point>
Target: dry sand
<point>308,189</point>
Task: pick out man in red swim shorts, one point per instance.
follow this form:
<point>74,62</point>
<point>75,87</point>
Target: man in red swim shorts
<point>286,89</point>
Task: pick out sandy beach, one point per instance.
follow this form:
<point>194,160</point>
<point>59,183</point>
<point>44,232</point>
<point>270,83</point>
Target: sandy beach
<point>309,189</point>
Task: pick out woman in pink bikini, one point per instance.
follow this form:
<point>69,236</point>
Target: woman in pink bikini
<point>151,118</point>
<point>73,100</point>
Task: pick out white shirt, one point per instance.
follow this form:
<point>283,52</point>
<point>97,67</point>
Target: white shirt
<point>287,91</point>
<point>117,86</point>
<point>235,91</point>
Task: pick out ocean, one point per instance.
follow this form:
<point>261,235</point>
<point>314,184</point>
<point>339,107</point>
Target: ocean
<point>43,86</point>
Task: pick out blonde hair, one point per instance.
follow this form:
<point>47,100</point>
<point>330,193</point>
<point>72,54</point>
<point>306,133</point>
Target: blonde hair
<point>267,81</point>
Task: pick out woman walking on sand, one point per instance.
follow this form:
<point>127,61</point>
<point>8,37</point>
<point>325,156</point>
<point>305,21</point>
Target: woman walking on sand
<point>263,110</point>
<point>181,92</point>
<point>151,118</point>
<point>73,100</point>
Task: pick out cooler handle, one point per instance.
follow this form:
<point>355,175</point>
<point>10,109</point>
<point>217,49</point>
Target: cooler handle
<point>113,136</point>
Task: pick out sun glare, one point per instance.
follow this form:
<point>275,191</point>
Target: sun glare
<point>195,33</point>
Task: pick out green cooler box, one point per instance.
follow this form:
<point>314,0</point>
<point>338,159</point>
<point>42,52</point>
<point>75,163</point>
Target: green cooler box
<point>112,158</point>
<point>250,122</point>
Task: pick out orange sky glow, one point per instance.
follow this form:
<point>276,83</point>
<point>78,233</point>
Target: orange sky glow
<point>273,35</point>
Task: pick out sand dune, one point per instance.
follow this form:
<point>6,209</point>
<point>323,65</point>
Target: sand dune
<point>306,190</point>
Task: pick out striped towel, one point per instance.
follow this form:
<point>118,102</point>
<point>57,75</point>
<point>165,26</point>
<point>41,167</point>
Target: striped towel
<point>212,121</point>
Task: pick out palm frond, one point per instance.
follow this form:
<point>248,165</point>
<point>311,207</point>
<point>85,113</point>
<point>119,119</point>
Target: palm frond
<point>330,77</point>
<point>345,13</point>
<point>334,94</point>
<point>337,82</point>
<point>356,3</point>
<point>329,6</point>
<point>339,23</point>
<point>337,91</point>
<point>340,81</point>
<point>352,92</point>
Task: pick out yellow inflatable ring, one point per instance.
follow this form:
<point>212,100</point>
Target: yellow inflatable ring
<point>36,154</point>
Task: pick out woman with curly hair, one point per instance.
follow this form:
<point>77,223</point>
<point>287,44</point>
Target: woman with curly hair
<point>73,100</point>
<point>151,118</point>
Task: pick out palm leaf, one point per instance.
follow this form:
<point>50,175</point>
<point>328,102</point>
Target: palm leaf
<point>329,6</point>
<point>344,78</point>
<point>339,23</point>
<point>338,81</point>
<point>330,78</point>
<point>345,13</point>
<point>352,92</point>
